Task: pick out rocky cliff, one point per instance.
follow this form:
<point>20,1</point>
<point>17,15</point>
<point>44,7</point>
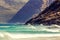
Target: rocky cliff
<point>51,15</point>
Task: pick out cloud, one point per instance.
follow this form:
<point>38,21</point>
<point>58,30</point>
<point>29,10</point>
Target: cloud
<point>15,4</point>
<point>7,11</point>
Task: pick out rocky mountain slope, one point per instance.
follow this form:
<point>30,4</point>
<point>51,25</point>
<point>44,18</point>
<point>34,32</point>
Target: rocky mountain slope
<point>51,15</point>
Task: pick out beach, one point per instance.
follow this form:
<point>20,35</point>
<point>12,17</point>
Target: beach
<point>12,36</point>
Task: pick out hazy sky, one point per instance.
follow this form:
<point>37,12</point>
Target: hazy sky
<point>8,8</point>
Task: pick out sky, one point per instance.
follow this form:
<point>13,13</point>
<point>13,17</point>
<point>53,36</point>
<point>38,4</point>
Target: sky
<point>8,8</point>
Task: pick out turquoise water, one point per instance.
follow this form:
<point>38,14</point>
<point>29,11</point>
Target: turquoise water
<point>20,28</point>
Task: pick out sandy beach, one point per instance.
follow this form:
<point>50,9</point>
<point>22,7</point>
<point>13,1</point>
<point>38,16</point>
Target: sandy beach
<point>42,38</point>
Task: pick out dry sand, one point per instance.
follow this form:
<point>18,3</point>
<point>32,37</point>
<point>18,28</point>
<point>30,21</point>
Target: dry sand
<point>41,38</point>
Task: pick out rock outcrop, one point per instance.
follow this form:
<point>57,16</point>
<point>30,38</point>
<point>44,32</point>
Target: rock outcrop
<point>51,15</point>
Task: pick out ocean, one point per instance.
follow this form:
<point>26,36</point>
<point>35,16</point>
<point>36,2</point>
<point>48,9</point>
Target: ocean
<point>27,32</point>
<point>29,29</point>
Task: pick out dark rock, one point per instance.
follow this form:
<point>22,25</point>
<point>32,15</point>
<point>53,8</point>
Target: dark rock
<point>51,15</point>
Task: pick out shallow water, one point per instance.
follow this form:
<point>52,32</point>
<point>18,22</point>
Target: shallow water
<point>28,29</point>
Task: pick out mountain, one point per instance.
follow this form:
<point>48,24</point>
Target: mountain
<point>30,8</point>
<point>51,15</point>
<point>9,9</point>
